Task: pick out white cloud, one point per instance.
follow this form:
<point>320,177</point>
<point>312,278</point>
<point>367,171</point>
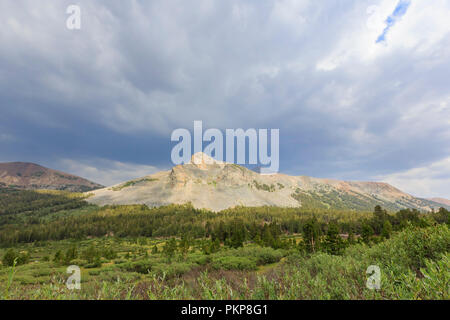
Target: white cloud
<point>106,172</point>
<point>423,26</point>
<point>427,181</point>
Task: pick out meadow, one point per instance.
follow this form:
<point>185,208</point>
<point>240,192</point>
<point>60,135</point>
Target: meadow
<point>178,252</point>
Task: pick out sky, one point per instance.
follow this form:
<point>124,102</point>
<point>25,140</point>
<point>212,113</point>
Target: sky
<point>358,89</point>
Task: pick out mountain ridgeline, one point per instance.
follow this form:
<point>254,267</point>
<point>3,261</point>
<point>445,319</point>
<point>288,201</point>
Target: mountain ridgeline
<point>210,184</point>
<point>23,175</point>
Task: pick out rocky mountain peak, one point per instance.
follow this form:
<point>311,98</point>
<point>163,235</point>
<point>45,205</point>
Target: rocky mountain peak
<point>215,185</point>
<point>202,161</point>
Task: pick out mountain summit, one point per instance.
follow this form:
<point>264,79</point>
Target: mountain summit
<point>202,161</point>
<point>33,176</point>
<point>216,185</point>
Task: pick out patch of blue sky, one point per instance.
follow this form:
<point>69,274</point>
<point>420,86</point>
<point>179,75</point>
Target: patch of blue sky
<point>399,11</point>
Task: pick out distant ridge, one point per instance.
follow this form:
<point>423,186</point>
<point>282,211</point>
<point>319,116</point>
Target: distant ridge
<point>26,175</point>
<point>210,184</point>
<point>441,201</point>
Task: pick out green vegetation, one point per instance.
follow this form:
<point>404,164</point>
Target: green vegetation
<point>20,207</point>
<point>264,186</point>
<point>331,199</point>
<point>132,183</point>
<point>178,252</point>
<point>38,174</point>
<point>66,176</point>
<point>12,257</point>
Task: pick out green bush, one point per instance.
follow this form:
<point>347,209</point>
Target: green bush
<point>12,255</point>
<point>412,247</point>
<point>411,265</point>
<point>96,263</point>
<point>143,266</point>
<point>261,255</point>
<point>234,263</point>
<point>198,258</point>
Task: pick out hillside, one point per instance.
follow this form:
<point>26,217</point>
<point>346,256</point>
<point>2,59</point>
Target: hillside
<point>441,201</point>
<point>214,185</point>
<point>25,175</point>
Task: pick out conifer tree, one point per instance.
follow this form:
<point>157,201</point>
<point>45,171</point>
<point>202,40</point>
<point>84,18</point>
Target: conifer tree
<point>333,240</point>
<point>311,234</point>
<point>387,230</point>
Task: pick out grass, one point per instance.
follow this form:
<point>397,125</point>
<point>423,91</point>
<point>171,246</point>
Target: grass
<point>10,280</point>
<point>414,264</point>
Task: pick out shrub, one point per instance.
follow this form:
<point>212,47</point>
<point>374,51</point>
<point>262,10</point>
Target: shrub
<point>198,258</point>
<point>143,266</point>
<point>261,255</point>
<point>12,255</point>
<point>109,254</point>
<point>410,248</point>
<point>234,263</point>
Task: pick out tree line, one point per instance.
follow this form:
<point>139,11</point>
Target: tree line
<point>232,227</point>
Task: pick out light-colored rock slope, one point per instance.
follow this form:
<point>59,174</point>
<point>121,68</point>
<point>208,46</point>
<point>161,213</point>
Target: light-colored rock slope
<point>443,201</point>
<point>214,185</point>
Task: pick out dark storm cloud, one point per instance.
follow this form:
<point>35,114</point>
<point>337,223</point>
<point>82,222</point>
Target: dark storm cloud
<point>109,95</point>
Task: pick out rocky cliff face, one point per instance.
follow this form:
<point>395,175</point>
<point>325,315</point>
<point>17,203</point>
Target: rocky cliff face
<point>214,185</point>
<point>32,176</point>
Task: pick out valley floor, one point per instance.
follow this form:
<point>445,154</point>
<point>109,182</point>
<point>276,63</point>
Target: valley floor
<point>414,264</point>
<point>179,252</point>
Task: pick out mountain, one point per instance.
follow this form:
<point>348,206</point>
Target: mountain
<point>443,201</point>
<point>32,176</point>
<point>215,185</point>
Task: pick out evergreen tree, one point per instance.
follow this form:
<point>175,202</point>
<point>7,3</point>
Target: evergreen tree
<point>387,230</point>
<point>92,255</point>
<point>236,240</point>
<point>170,248</point>
<point>206,247</point>
<point>333,240</point>
<point>215,245</point>
<point>70,255</point>
<point>184,246</point>
<point>311,234</point>
<point>267,238</point>
<point>367,232</point>
<point>258,240</point>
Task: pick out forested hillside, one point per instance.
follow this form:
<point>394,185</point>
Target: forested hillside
<point>28,216</point>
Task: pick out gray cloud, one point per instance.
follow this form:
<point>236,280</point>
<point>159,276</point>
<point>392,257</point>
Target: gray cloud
<point>105,171</point>
<point>346,106</point>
